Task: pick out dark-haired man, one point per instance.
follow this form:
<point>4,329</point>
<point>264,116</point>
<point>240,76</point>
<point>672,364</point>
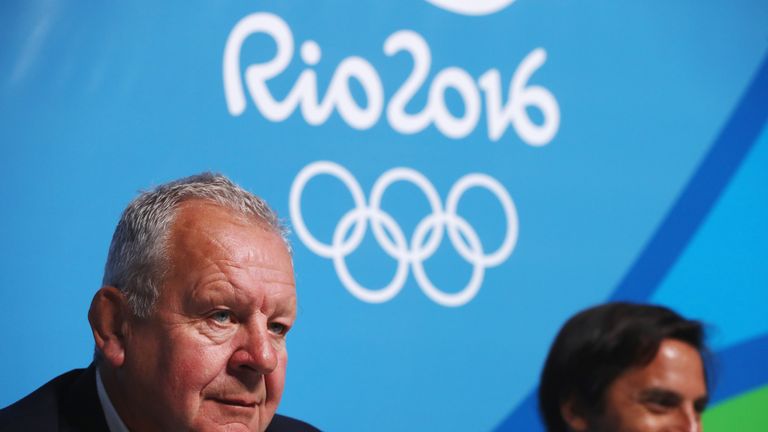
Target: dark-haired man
<point>624,367</point>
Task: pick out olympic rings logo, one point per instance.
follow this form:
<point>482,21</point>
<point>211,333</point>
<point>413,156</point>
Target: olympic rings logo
<point>421,246</point>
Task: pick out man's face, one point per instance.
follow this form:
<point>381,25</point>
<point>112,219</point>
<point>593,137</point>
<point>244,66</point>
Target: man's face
<point>669,394</point>
<point>213,355</point>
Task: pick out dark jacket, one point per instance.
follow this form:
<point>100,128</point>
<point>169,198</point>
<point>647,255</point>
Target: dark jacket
<point>70,403</point>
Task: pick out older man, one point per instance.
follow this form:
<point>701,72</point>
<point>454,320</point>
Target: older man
<point>624,367</point>
<point>190,324</point>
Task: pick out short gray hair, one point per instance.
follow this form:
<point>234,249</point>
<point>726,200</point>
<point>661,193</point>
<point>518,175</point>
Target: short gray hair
<point>139,254</point>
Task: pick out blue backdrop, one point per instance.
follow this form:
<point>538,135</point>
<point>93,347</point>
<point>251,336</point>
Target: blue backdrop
<point>460,177</point>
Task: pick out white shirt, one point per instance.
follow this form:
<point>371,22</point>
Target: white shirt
<point>114,422</point>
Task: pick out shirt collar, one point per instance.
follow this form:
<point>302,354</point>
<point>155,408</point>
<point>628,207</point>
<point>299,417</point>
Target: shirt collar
<point>114,422</point>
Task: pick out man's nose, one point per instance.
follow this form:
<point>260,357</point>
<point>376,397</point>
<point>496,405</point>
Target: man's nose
<point>255,350</point>
<point>689,419</point>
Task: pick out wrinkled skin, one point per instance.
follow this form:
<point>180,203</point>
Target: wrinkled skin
<point>212,356</point>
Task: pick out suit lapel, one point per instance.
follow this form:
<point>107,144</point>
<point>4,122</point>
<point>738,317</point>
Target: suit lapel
<point>81,409</point>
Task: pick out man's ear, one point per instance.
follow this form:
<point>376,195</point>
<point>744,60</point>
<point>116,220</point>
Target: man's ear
<point>572,416</point>
<point>109,315</point>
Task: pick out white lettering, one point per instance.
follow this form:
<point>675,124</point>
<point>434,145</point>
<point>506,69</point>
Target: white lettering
<point>519,97</point>
<point>304,93</point>
<point>413,43</point>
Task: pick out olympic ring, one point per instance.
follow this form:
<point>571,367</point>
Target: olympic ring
<point>422,245</point>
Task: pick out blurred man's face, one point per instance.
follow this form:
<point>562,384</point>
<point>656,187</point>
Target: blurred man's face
<point>669,394</point>
<point>213,355</point>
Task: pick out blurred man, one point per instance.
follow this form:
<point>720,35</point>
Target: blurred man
<point>190,324</point>
<point>625,367</point>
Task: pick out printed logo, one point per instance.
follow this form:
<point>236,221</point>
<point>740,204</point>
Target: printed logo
<point>478,94</point>
<point>472,7</point>
<point>426,238</point>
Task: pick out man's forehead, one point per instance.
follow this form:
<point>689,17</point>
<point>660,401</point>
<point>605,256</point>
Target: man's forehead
<point>206,221</point>
<point>216,255</point>
<point>207,233</point>
<point>676,367</point>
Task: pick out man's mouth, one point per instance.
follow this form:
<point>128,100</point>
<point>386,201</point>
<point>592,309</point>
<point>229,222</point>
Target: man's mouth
<point>236,401</point>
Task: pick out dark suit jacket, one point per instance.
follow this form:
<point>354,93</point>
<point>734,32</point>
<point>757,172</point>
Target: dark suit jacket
<point>70,403</point>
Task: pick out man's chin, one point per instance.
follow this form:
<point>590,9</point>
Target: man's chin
<point>234,415</point>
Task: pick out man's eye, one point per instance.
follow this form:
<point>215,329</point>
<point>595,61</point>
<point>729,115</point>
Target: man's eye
<point>700,406</point>
<point>222,316</point>
<point>661,405</point>
<point>278,328</point>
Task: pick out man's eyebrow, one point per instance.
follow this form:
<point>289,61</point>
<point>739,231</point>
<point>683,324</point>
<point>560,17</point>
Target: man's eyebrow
<point>215,292</point>
<point>660,394</point>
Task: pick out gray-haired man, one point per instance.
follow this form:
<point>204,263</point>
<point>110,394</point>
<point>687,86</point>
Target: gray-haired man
<point>190,323</point>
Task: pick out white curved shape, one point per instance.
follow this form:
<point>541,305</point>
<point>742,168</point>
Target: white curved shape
<point>478,270</point>
<point>358,68</point>
<point>377,193</point>
<point>462,82</point>
<point>297,188</point>
<point>421,247</point>
<point>260,22</point>
<point>417,47</point>
<point>530,132</point>
<point>472,7</point>
<point>510,212</point>
<point>398,281</point>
